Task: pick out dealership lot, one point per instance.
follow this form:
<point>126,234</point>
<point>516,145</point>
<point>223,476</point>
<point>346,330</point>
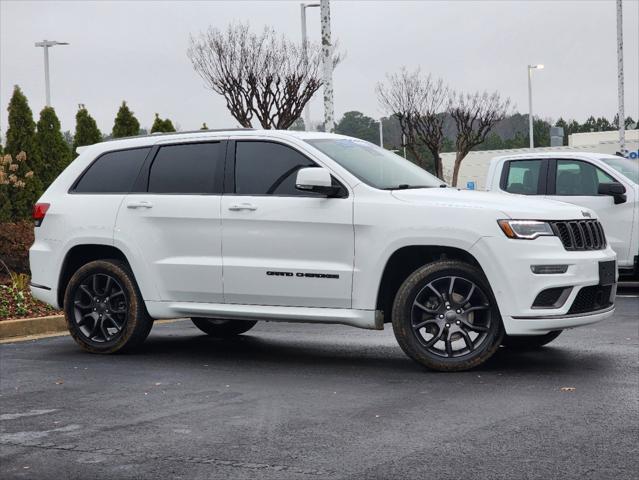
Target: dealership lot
<point>305,401</point>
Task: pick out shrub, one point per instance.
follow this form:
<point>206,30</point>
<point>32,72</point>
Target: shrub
<point>15,240</point>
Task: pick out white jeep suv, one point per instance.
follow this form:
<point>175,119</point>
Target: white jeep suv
<point>232,227</point>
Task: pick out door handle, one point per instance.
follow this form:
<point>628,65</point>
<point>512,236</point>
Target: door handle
<point>139,204</point>
<point>242,206</point>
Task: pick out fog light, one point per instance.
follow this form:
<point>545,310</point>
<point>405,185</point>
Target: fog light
<point>549,269</point>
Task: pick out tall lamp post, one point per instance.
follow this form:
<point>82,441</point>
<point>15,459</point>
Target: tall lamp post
<point>303,7</point>
<point>530,109</point>
<point>621,114</point>
<point>45,44</point>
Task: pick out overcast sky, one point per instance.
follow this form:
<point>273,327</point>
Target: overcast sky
<point>137,51</point>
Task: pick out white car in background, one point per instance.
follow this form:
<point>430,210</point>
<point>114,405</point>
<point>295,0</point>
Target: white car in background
<point>607,184</point>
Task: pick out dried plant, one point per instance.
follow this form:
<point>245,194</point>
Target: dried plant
<point>13,179</point>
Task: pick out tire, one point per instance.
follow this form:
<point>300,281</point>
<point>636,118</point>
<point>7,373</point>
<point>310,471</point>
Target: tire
<point>529,342</point>
<point>435,304</point>
<point>223,328</point>
<point>106,316</point>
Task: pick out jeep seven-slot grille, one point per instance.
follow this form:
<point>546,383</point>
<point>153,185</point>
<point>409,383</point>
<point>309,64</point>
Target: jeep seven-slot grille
<point>580,234</point>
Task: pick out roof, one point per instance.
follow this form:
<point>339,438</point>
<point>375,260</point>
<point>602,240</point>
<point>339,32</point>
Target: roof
<point>152,139</point>
<point>558,154</point>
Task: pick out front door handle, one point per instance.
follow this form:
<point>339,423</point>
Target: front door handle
<point>139,204</point>
<point>242,206</point>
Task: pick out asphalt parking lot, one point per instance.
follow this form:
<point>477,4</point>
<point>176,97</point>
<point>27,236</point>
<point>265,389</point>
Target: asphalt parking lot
<point>304,401</point>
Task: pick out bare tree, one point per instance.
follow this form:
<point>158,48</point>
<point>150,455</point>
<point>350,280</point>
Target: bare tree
<point>421,104</point>
<point>261,76</point>
<point>475,115</point>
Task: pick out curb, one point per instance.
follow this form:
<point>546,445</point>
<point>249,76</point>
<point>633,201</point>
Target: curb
<point>24,327</point>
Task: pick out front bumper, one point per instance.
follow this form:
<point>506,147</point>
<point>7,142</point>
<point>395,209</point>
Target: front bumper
<point>506,263</point>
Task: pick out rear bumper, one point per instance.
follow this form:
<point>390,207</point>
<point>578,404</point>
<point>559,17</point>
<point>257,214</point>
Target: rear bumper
<point>507,265</point>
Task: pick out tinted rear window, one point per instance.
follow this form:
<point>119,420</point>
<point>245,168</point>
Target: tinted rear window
<point>113,172</point>
<point>188,169</point>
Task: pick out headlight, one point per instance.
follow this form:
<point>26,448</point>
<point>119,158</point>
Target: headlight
<point>525,229</point>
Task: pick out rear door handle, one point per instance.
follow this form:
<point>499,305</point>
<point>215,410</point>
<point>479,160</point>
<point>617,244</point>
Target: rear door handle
<point>242,206</point>
<point>139,204</point>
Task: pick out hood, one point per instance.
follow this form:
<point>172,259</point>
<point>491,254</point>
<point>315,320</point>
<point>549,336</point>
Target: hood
<point>513,206</point>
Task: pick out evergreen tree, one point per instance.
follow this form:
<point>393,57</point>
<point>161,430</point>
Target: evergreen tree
<point>160,125</point>
<point>204,126</point>
<point>21,138</point>
<point>52,148</point>
<point>126,125</point>
<point>86,130</point>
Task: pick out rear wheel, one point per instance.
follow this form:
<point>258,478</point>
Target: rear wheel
<point>223,328</point>
<point>445,317</point>
<point>528,342</point>
<point>103,307</point>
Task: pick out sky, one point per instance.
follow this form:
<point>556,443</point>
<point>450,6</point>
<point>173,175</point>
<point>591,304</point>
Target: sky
<point>136,51</point>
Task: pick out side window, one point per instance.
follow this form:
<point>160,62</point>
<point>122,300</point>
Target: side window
<point>193,168</point>
<point>113,172</point>
<point>523,177</point>
<point>266,168</point>
<point>575,177</point>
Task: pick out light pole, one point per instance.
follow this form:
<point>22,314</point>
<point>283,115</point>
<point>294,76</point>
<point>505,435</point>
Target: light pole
<point>530,110</point>
<point>621,114</point>
<point>381,133</point>
<point>45,44</point>
<point>327,56</point>
<point>303,7</point>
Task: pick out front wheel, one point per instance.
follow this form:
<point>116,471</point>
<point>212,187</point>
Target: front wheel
<point>223,328</point>
<point>445,316</point>
<point>529,342</point>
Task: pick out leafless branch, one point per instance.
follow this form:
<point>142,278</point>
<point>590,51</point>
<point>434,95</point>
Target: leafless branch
<point>261,76</point>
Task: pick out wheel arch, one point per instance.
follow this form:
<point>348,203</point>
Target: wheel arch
<point>404,261</point>
<point>79,255</point>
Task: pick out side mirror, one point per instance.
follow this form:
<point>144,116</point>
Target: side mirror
<point>316,180</point>
<point>615,190</point>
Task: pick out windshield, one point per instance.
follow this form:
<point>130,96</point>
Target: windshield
<point>375,166</point>
<point>625,166</point>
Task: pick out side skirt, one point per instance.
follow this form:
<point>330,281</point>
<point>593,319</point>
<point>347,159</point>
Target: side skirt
<point>345,316</point>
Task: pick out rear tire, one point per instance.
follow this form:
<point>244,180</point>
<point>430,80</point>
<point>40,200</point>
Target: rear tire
<point>104,309</point>
<point>223,328</point>
<point>529,342</point>
<point>445,317</point>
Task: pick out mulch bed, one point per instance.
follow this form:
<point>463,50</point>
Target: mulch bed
<point>18,303</point>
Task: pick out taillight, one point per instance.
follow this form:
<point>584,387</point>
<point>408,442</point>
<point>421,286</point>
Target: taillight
<point>39,211</point>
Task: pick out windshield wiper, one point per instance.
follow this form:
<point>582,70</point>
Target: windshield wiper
<point>406,186</point>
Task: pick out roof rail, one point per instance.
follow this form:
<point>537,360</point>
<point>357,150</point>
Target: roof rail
<point>162,134</point>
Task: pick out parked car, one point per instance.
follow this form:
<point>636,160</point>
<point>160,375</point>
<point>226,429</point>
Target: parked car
<point>233,227</point>
<point>607,184</point>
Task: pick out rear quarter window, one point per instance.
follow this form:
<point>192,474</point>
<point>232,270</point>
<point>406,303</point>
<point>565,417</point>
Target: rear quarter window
<point>112,172</point>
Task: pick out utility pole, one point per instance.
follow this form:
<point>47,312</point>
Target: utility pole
<point>303,7</point>
<point>530,109</point>
<point>327,56</point>
<point>381,134</point>
<point>621,114</point>
<point>45,44</point>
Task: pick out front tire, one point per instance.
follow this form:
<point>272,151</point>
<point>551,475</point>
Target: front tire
<point>529,342</point>
<point>223,328</point>
<point>104,309</point>
<point>446,318</point>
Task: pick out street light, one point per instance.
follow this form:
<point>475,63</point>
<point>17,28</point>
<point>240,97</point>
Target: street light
<point>303,7</point>
<point>45,44</point>
<point>530,111</point>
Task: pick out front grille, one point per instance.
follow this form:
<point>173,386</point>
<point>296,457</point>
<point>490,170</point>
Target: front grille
<point>590,299</point>
<point>580,234</point>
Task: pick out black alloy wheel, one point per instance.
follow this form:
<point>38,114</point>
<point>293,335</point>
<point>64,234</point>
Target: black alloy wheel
<point>100,308</point>
<point>445,316</point>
